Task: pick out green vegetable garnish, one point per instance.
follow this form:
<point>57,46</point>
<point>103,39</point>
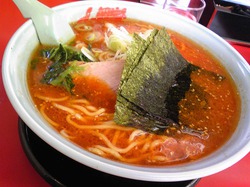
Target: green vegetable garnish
<point>60,71</point>
<point>33,63</point>
<point>119,40</point>
<point>64,79</point>
<point>117,44</point>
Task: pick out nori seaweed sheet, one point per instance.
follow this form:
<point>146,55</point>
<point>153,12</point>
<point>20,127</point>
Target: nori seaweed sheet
<point>155,78</point>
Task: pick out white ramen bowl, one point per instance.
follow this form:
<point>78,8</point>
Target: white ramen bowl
<point>14,69</point>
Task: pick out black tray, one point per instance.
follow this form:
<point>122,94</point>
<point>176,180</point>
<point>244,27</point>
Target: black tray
<point>60,170</point>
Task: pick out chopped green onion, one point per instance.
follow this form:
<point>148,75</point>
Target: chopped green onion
<point>88,54</point>
<point>82,27</point>
<point>93,37</point>
<point>90,37</point>
<point>118,40</point>
<point>116,44</point>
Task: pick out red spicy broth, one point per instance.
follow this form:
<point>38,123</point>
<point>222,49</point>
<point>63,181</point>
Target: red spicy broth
<point>85,117</point>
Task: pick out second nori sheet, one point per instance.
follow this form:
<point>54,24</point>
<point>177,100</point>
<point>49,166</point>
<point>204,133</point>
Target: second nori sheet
<point>154,80</point>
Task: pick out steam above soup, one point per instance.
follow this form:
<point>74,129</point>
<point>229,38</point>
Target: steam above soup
<point>76,89</point>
